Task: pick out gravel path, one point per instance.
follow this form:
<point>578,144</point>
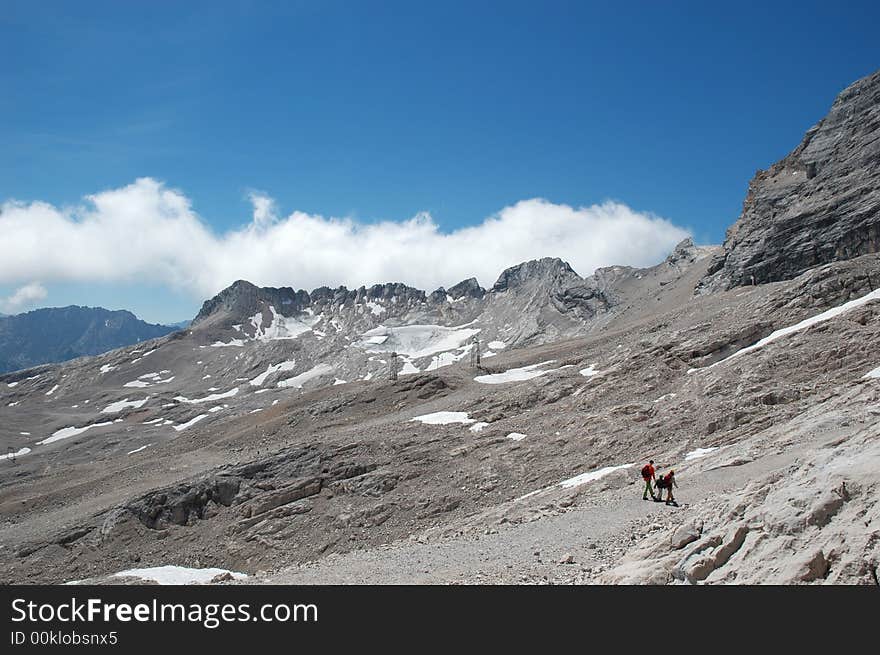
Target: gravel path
<point>594,533</point>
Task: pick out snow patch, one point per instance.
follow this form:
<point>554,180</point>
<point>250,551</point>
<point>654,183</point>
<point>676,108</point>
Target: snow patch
<point>189,423</point>
<point>298,381</point>
<point>106,368</point>
<point>177,575</point>
<point>444,418</point>
<point>516,436</point>
<point>590,371</point>
<point>273,368</point>
<point>113,408</point>
<point>873,374</point>
<point>66,433</point>
<point>279,327</point>
<point>699,452</point>
<point>137,450</point>
<point>416,340</point>
<point>18,453</point>
<point>208,399</point>
<point>497,345</point>
<point>237,343</point>
<point>515,374</point>
<point>591,476</point>
<point>802,325</point>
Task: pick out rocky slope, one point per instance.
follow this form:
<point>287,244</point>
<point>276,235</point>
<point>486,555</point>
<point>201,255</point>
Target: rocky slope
<point>271,440</point>
<point>821,203</point>
<point>60,333</point>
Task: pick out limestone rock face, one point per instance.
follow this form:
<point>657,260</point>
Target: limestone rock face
<point>819,204</point>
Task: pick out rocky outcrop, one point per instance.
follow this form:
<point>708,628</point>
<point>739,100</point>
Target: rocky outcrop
<point>819,204</point>
<point>550,269</point>
<point>242,299</point>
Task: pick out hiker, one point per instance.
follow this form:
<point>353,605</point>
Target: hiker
<point>647,476</point>
<point>669,483</point>
<point>660,484</point>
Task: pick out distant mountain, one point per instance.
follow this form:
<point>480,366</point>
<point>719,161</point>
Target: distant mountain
<point>60,333</point>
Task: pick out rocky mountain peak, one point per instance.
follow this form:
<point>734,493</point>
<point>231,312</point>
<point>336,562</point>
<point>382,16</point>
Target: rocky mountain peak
<point>819,204</point>
<point>467,288</point>
<point>242,299</point>
<point>550,269</point>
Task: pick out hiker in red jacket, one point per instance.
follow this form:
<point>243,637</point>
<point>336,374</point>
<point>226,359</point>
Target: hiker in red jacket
<point>647,476</point>
<point>669,483</point>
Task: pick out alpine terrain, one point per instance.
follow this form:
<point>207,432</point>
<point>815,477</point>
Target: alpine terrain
<point>387,434</point>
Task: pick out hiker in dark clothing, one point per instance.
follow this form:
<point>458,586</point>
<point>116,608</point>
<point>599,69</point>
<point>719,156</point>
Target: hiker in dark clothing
<point>669,483</point>
<point>647,476</point>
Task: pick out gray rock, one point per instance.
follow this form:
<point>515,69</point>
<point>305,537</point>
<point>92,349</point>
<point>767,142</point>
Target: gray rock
<point>819,204</point>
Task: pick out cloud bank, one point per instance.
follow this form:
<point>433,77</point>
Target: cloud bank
<point>147,232</point>
<point>23,298</point>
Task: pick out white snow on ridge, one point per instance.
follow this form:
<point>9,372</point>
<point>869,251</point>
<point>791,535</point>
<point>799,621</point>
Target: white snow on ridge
<point>497,345</point>
<point>516,436</point>
<point>299,380</point>
<point>478,426</point>
<point>208,399</point>
<point>590,371</point>
<point>65,433</point>
<point>376,308</point>
<point>113,408</point>
<point>873,374</point>
<point>416,340</point>
<point>797,327</point>
<point>578,480</point>
<point>106,368</point>
<point>191,422</point>
<point>444,418</point>
<point>699,452</point>
<point>408,368</point>
<point>516,374</point>
<point>280,327</point>
<point>177,575</point>
<point>235,342</point>
<point>148,379</point>
<point>137,450</point>
<point>273,368</point>
<point>447,358</point>
<point>18,453</point>
<point>149,352</point>
<point>53,390</point>
<point>591,476</point>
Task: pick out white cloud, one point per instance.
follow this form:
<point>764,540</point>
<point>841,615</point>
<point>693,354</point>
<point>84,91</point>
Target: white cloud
<point>23,297</point>
<point>265,211</point>
<point>146,231</point>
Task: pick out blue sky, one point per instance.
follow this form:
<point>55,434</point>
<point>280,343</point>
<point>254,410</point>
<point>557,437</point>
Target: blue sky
<point>379,111</point>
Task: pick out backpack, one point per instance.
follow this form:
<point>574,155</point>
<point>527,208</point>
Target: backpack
<point>646,471</point>
<point>661,482</point>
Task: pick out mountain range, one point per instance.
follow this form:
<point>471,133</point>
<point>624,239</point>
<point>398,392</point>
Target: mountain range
<point>389,434</point>
<point>58,334</point>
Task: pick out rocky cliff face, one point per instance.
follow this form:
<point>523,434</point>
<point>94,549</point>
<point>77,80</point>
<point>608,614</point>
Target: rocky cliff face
<point>819,204</point>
